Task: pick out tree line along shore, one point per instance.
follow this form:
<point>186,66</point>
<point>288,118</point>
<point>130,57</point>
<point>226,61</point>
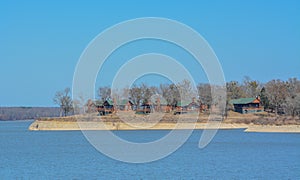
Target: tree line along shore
<point>26,113</point>
<point>277,97</point>
<point>277,103</point>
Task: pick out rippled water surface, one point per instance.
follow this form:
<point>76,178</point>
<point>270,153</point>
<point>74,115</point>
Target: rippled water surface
<point>232,154</point>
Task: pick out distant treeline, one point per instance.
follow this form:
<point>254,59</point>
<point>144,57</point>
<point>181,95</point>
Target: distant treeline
<point>23,113</point>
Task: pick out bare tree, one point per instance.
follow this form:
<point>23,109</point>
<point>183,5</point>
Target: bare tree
<point>264,100</point>
<point>204,91</point>
<point>297,106</point>
<point>234,90</point>
<point>63,99</point>
<point>91,107</point>
<point>104,93</point>
<point>293,87</point>
<point>77,106</point>
<point>170,93</point>
<point>174,95</point>
<point>291,105</point>
<point>186,90</point>
<point>135,94</point>
<point>116,94</point>
<point>125,93</point>
<point>251,87</point>
<point>277,92</point>
<point>146,93</point>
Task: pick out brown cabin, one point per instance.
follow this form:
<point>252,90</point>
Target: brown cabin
<point>247,105</point>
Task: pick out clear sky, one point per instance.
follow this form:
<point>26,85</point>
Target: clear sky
<point>41,41</point>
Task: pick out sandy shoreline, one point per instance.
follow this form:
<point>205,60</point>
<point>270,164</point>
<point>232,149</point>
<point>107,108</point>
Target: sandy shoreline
<point>274,128</point>
<point>40,125</point>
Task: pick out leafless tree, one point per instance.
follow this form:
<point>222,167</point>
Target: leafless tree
<point>291,105</point>
<point>170,93</point>
<point>204,91</point>
<point>91,107</point>
<point>63,99</point>
<point>297,104</point>
<point>251,87</point>
<point>234,90</point>
<point>135,94</point>
<point>293,87</point>
<point>186,90</point>
<point>146,93</point>
<point>264,100</point>
<point>104,93</point>
<point>125,93</point>
<point>276,91</point>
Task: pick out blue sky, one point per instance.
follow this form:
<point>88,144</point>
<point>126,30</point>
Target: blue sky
<point>41,42</point>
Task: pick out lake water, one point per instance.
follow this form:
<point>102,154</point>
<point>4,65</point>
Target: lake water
<point>232,154</point>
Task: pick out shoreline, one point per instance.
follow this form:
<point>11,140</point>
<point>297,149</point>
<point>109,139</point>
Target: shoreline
<point>260,122</point>
<point>54,125</point>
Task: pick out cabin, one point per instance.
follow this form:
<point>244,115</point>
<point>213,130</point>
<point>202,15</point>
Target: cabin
<point>247,105</point>
<point>125,105</point>
<point>145,108</point>
<point>183,107</point>
<point>193,106</point>
<point>106,108</point>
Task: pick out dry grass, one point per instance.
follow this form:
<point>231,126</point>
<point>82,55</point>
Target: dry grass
<point>263,118</point>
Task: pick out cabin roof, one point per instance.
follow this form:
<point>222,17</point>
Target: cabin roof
<point>183,103</point>
<point>110,102</point>
<point>243,101</point>
<point>124,102</point>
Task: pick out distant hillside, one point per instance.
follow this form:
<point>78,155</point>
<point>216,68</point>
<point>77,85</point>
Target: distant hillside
<point>22,113</point>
